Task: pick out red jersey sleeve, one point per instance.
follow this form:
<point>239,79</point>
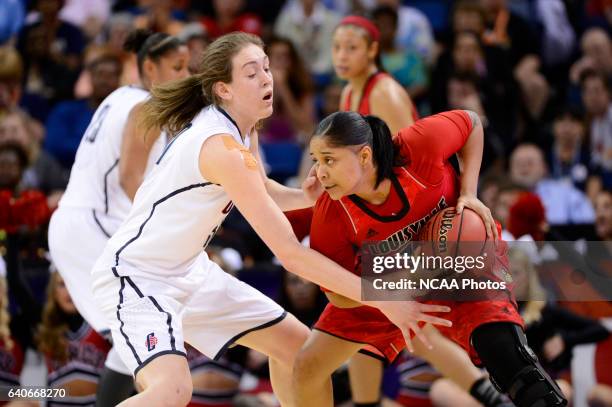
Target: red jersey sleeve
<point>300,220</point>
<point>329,234</point>
<point>428,143</point>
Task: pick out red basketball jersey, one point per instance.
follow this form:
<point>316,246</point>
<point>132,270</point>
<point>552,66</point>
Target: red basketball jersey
<point>364,102</point>
<point>425,185</point>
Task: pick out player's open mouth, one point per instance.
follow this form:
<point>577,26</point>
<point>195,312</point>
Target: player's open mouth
<point>329,187</point>
<point>268,96</point>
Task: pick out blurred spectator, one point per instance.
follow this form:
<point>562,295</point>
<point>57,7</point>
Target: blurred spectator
<point>13,163</point>
<point>294,113</point>
<point>301,298</point>
<point>597,99</point>
<point>43,172</point>
<point>230,16</point>
<point>489,68</point>
<point>158,16</point>
<point>11,74</point>
<point>603,214</point>
<point>310,26</point>
<point>467,15</point>
<point>564,203</point>
<point>12,15</point>
<point>89,15</point>
<point>330,99</point>
<point>11,351</point>
<point>51,50</point>
<point>74,352</point>
<point>600,12</point>
<point>216,382</point>
<point>596,49</point>
<point>195,37</point>
<point>507,195</point>
<point>406,66</point>
<point>414,31</point>
<point>507,30</point>
<point>566,157</point>
<point>463,93</point>
<point>118,28</point>
<point>68,120</point>
<point>347,7</point>
<point>558,36</point>
<point>65,41</point>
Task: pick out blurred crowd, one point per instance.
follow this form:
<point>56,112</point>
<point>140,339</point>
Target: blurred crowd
<point>537,72</point>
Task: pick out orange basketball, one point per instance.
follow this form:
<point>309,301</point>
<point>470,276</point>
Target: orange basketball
<point>447,229</point>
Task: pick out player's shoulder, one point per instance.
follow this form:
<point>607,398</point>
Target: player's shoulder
<point>125,97</point>
<point>387,88</point>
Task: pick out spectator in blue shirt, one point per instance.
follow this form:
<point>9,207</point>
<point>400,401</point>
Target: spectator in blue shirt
<point>68,120</point>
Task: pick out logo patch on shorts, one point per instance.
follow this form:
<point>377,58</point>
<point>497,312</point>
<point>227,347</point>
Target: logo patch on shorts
<point>151,341</point>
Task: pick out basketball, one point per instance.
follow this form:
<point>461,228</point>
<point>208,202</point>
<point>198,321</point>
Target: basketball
<point>447,226</point>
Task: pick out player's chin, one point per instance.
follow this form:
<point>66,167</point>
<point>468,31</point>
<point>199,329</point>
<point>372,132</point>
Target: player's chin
<point>334,193</point>
<point>266,111</point>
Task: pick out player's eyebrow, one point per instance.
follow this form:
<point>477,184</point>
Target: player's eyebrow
<point>265,58</point>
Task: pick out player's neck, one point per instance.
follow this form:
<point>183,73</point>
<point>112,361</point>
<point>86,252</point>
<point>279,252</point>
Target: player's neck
<point>358,82</point>
<point>378,195</point>
<point>245,125</point>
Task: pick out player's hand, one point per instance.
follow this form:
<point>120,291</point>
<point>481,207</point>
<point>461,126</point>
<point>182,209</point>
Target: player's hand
<point>475,204</point>
<point>311,186</point>
<point>407,314</point>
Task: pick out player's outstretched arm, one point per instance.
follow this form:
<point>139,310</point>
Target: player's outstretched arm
<point>237,171</point>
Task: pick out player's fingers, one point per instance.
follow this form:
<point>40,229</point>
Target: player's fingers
<point>406,334</point>
<point>494,226</point>
<point>489,227</point>
<point>429,308</point>
<point>310,181</point>
<point>435,320</point>
<point>313,171</point>
<point>459,206</point>
<point>420,335</point>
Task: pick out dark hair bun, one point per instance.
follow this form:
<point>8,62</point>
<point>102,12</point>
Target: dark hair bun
<point>136,39</point>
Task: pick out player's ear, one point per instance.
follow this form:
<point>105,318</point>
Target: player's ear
<point>365,155</point>
<point>148,68</point>
<point>222,90</point>
<point>373,49</point>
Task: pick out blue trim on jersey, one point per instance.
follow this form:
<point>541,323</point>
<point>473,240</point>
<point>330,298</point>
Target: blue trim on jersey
<point>127,339</point>
<point>241,334</point>
<point>122,278</point>
<point>93,211</point>
<point>168,321</point>
<point>153,357</point>
<point>106,174</point>
<point>159,308</point>
<point>171,142</point>
<point>170,195</point>
<point>224,113</point>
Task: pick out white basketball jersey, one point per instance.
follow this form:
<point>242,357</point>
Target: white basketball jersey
<point>94,178</point>
<point>176,211</point>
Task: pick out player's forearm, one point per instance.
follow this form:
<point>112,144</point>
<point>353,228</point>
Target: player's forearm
<point>470,157</point>
<point>287,199</point>
<point>322,271</point>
